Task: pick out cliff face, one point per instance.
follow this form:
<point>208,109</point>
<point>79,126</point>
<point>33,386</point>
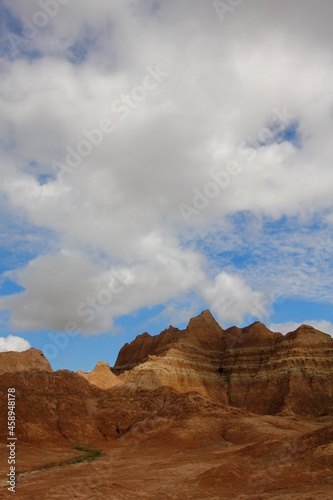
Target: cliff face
<point>32,359</point>
<point>252,368</point>
<point>255,335</point>
<point>267,372</point>
<point>187,360</point>
<point>138,351</point>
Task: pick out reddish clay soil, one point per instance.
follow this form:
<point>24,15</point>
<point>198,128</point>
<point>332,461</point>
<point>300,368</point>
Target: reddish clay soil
<point>259,457</point>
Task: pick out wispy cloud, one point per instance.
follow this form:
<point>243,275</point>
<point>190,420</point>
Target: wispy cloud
<point>290,326</point>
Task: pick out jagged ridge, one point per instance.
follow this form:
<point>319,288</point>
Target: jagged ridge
<point>251,367</point>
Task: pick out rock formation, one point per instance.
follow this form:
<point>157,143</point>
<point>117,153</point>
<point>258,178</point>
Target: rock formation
<point>251,367</point>
<point>32,359</point>
<point>267,372</point>
<point>101,376</point>
<point>195,413</point>
<point>187,360</point>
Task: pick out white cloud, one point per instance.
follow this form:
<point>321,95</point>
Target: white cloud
<point>290,326</point>
<point>118,210</point>
<point>12,343</point>
<point>231,299</point>
<point>287,258</point>
<point>69,287</point>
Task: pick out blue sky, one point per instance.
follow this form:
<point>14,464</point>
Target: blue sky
<point>150,170</point>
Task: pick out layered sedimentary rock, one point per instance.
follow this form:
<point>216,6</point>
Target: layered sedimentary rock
<point>267,372</point>
<point>62,407</point>
<point>187,360</point>
<point>143,346</point>
<point>171,441</point>
<point>252,368</point>
<point>31,359</point>
<point>101,376</point>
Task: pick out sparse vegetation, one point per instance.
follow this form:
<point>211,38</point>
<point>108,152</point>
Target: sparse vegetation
<point>87,456</point>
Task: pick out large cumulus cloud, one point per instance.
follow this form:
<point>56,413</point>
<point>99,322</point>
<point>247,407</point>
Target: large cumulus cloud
<point>226,89</point>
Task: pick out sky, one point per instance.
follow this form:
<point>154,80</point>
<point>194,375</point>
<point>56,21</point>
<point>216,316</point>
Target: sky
<point>159,158</point>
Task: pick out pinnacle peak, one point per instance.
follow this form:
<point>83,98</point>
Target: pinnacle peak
<point>256,325</point>
<point>205,315</point>
<point>101,363</point>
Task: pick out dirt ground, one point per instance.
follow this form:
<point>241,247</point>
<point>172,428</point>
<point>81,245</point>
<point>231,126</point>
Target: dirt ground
<point>289,460</point>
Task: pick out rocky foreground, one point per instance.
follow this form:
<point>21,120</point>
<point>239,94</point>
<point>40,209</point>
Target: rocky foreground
<point>195,413</point>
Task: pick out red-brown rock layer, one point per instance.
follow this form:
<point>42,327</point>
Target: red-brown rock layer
<point>187,360</point>
<point>160,438</point>
<point>253,367</point>
<point>267,372</point>
<point>32,359</point>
